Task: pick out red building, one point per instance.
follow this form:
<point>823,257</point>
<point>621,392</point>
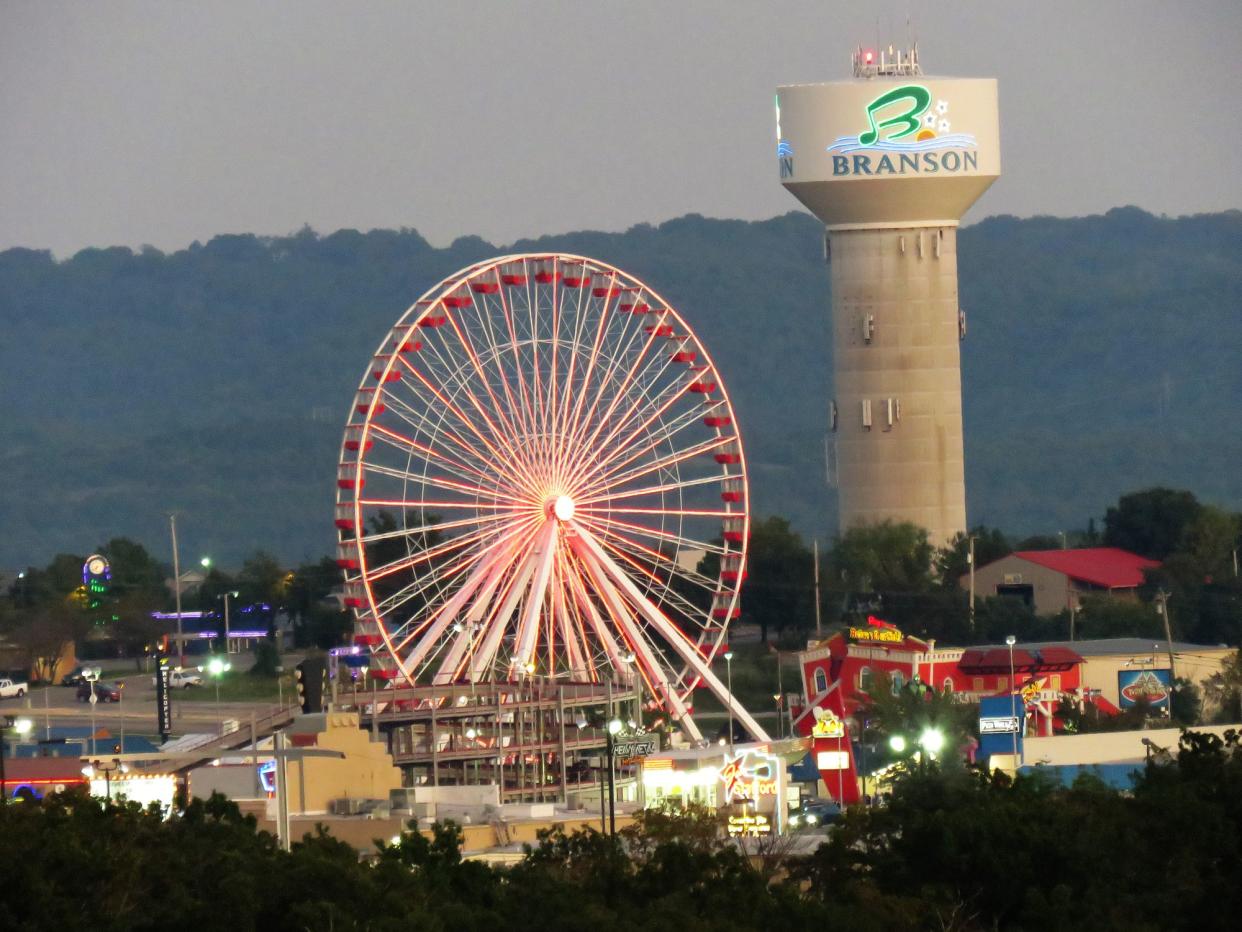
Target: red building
<point>838,672</point>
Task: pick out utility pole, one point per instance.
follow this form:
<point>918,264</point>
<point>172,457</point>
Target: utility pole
<point>970,562</point>
<point>819,628</point>
<point>1163,598</point>
<point>172,524</point>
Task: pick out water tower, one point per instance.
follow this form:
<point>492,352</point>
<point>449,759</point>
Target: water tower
<point>890,161</point>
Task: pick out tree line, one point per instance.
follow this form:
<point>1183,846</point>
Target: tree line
<point>952,848</point>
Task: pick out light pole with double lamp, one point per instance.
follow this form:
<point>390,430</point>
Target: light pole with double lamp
<point>1013,707</point>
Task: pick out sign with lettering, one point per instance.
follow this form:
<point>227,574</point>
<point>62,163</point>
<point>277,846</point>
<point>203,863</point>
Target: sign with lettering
<point>630,748</point>
<point>163,697</point>
<point>750,774</point>
<point>998,726</point>
<point>877,631</point>
<point>1150,686</point>
<point>827,724</point>
<point>748,824</point>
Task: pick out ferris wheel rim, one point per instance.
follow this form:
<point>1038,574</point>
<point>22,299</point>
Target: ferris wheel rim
<point>362,421</point>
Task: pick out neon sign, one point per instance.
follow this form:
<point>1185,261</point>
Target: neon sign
<point>877,631</point>
<point>827,724</point>
<point>750,774</point>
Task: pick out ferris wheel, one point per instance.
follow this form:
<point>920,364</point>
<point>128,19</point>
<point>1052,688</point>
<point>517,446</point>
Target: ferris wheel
<point>541,477</point>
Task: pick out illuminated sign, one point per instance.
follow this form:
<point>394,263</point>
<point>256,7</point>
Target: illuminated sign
<point>750,774</point>
<point>749,825</point>
<point>1150,686</point>
<point>832,760</point>
<point>827,724</point>
<point>907,133</point>
<point>877,631</point>
<point>267,776</point>
<point>998,726</point>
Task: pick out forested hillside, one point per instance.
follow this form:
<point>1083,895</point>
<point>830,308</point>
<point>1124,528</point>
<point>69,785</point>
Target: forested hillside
<point>1102,356</point>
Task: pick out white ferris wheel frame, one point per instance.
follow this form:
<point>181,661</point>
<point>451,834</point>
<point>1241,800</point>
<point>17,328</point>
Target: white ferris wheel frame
<point>544,549</point>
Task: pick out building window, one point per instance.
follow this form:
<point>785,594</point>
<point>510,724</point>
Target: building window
<point>1002,682</point>
<point>897,683</point>
<point>1054,682</point>
<point>821,680</point>
<point>948,686</point>
<point>864,679</point>
<point>977,684</point>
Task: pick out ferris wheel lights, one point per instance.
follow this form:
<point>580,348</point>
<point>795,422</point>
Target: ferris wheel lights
<point>563,508</point>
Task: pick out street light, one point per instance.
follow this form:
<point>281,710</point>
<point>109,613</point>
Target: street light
<point>728,656</point>
<point>107,769</point>
<point>932,740</point>
<point>91,675</point>
<point>21,727</point>
<point>205,563</point>
<point>1013,710</point>
<point>614,728</point>
<point>897,743</point>
<point>216,668</point>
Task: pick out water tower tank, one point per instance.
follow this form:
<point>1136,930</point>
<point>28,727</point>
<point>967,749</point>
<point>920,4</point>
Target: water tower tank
<point>890,161</point>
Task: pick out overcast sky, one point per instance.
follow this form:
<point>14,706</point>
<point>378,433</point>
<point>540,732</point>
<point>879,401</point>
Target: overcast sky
<point>166,122</point>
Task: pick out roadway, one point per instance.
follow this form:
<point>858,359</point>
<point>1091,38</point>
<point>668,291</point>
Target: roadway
<point>52,706</point>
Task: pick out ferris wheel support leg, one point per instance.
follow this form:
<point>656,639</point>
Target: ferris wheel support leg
<point>643,651</point>
<point>602,633</point>
<point>528,627</point>
<point>499,621</point>
<point>688,652</point>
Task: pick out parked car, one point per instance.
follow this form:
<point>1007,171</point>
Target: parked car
<point>814,813</point>
<point>75,678</point>
<point>181,679</point>
<point>104,692</point>
<point>12,689</point>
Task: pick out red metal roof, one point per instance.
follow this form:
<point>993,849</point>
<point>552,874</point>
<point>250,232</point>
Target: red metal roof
<point>996,660</point>
<point>1110,567</point>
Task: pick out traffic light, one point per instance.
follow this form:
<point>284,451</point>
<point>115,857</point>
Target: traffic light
<point>310,675</point>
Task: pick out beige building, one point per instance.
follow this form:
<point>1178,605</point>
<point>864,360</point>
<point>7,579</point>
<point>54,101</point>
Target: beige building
<point>1105,660</point>
<point>1050,581</point>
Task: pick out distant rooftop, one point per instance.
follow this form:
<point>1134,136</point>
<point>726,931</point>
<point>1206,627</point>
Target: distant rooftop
<point>1109,567</point>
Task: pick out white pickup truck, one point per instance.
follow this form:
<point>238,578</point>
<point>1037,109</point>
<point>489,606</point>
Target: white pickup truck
<point>182,679</point>
<point>12,690</point>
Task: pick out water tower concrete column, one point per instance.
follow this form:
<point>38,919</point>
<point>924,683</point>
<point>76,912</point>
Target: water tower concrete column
<point>890,162</point>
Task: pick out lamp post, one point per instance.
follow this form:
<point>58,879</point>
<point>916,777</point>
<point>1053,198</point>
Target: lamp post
<point>172,525</point>
<point>216,668</point>
<point>226,596</point>
<point>932,742</point>
<point>613,729</point>
<point>107,769</point>
<point>21,727</point>
<point>91,675</point>
<point>1013,709</point>
<point>728,656</point>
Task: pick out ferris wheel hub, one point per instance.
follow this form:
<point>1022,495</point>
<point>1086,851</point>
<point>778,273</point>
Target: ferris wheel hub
<point>562,508</point>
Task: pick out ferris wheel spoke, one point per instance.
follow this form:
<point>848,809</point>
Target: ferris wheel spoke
<point>498,622</point>
<point>467,344</point>
<point>528,630</point>
<point>447,613</point>
<point>618,392</point>
<point>572,434</point>
<point>614,478</point>
<point>672,635</point>
<point>616,528</point>
<point>475,469</point>
<point>570,622</point>
<point>429,555</point>
<point>526,408</point>
<point>510,454</point>
<point>513,507</point>
<point>580,317</point>
<point>639,399</point>
<point>646,654</point>
<point>656,408</point>
<point>679,486</point>
<point>414,531</point>
<point>634,553</point>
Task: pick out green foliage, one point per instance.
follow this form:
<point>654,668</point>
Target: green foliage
<point>953,562</point>
<point>247,443</point>
<point>779,589</point>
<point>1150,522</point>
<point>884,557</point>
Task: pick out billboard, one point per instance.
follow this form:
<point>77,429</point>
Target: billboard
<point>1150,686</point>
